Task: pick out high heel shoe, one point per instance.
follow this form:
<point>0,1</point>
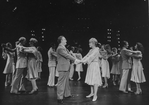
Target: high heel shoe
<point>130,90</point>
<point>105,86</point>
<point>79,79</point>
<point>90,95</point>
<point>94,98</point>
<point>34,92</point>
<point>114,83</point>
<point>136,93</point>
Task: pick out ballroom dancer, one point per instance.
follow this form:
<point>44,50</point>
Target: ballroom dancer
<point>79,67</point>
<point>63,67</point>
<point>21,67</point>
<point>93,75</point>
<point>137,75</point>
<point>126,66</point>
<point>105,53</point>
<point>115,66</point>
<point>52,65</point>
<point>10,65</point>
<point>72,65</point>
<point>39,62</point>
<point>32,72</point>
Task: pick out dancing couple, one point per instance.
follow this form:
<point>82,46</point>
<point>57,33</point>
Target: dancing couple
<point>26,66</point>
<point>93,76</point>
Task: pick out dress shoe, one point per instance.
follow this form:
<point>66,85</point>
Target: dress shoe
<point>15,93</point>
<point>71,79</point>
<point>23,91</point>
<point>129,90</point>
<point>90,95</point>
<point>69,96</point>
<point>138,92</point>
<point>125,92</point>
<point>79,79</point>
<point>34,92</point>
<point>94,98</point>
<point>105,86</point>
<point>55,84</point>
<point>114,83</point>
<point>60,101</point>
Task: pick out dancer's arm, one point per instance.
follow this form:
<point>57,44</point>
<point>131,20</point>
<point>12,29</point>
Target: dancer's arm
<point>91,57</point>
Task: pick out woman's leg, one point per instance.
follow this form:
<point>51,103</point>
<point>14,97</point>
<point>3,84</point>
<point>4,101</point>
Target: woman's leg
<point>140,90</point>
<point>106,83</point>
<point>79,77</point>
<point>114,79</point>
<point>137,88</point>
<point>6,80</point>
<point>92,92</point>
<point>34,86</point>
<point>95,92</point>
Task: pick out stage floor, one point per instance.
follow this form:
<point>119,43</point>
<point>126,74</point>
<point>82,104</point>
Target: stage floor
<point>47,95</point>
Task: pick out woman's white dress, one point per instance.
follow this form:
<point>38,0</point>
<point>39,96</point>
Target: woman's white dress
<point>137,75</point>
<point>93,75</point>
<point>105,65</point>
<point>79,66</point>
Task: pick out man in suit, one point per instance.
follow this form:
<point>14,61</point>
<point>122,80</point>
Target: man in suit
<point>63,67</point>
<point>21,67</point>
<point>126,66</point>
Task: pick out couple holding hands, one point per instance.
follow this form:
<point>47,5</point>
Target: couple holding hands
<point>93,75</point>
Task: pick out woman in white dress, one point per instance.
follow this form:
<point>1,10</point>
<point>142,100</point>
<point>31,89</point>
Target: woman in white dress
<point>32,72</point>
<point>93,75</point>
<point>39,62</point>
<point>137,75</point>
<point>10,65</point>
<point>115,66</point>
<point>79,67</point>
<point>105,53</point>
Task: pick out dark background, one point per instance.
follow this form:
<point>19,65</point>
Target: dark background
<point>48,19</point>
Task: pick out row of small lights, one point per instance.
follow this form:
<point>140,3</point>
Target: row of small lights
<point>109,33</point>
<point>33,33</point>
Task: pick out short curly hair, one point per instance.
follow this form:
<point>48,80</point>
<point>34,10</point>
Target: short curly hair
<point>22,39</point>
<point>33,41</point>
<point>94,41</point>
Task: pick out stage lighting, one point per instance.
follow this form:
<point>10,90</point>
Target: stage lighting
<point>79,1</point>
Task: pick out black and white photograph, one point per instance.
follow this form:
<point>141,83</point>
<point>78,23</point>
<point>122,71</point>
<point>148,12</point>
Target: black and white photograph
<point>74,52</point>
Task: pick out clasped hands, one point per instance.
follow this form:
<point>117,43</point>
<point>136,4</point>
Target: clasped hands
<point>79,61</point>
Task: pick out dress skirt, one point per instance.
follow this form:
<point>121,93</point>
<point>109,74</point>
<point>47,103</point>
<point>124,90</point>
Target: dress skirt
<point>79,67</point>
<point>115,69</point>
<point>93,75</point>
<point>105,68</point>
<point>10,67</point>
<point>32,72</point>
<point>39,66</point>
<point>137,75</point>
